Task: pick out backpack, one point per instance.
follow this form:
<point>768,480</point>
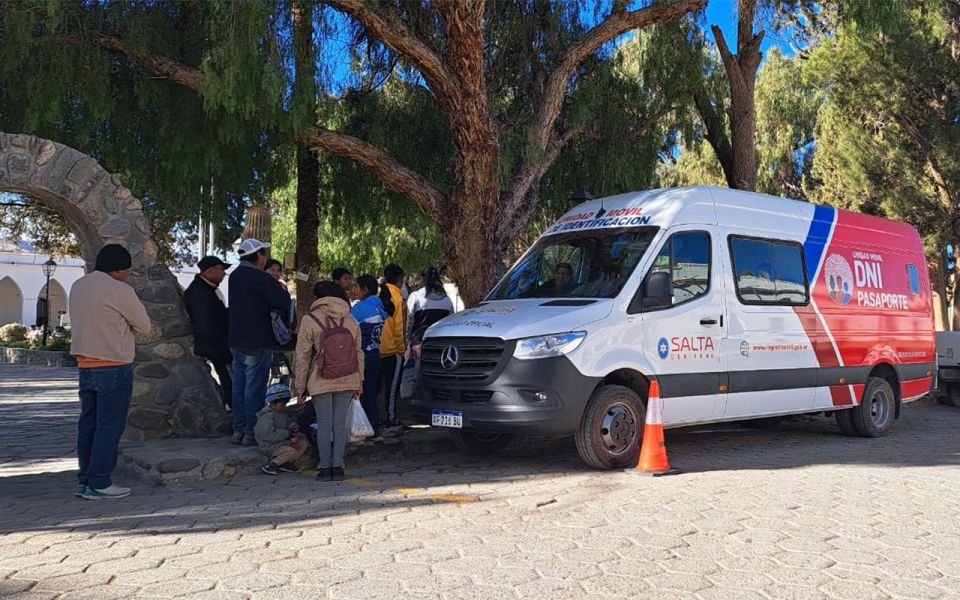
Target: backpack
<point>337,350</point>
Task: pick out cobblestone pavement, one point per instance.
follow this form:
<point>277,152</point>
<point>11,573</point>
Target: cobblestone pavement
<point>795,512</point>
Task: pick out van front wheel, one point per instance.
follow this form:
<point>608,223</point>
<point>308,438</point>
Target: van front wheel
<point>611,428</point>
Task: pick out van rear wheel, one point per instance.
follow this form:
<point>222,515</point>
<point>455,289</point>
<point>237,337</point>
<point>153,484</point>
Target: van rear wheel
<point>472,442</point>
<point>611,428</point>
<point>874,416</point>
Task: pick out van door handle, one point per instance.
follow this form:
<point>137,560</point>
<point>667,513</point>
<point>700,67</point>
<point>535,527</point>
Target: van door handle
<point>708,321</point>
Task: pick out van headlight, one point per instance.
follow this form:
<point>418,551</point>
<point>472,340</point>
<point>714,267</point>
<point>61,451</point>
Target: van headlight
<point>548,345</point>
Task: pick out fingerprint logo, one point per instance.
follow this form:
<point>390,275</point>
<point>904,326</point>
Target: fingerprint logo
<point>839,277</point>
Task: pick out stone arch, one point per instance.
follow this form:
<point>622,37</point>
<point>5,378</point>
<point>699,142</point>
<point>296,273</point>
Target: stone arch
<point>58,302</point>
<point>11,302</point>
<point>173,392</point>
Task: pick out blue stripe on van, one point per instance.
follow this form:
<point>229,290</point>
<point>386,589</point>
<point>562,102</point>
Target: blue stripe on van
<point>816,242</point>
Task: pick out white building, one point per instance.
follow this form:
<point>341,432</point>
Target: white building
<point>22,284</point>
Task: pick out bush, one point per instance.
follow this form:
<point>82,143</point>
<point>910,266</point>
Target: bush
<point>57,341</point>
<point>58,344</point>
<point>13,332</point>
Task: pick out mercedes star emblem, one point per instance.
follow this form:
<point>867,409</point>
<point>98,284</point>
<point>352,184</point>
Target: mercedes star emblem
<point>450,358</point>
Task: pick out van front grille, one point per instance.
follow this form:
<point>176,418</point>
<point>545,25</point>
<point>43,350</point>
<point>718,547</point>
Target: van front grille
<point>477,359</point>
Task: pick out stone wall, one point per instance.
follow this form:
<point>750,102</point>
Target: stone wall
<point>173,393</point>
<point>24,356</point>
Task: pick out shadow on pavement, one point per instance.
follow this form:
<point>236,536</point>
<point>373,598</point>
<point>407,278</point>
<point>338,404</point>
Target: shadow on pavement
<point>925,435</point>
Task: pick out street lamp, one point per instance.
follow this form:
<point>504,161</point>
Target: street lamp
<point>49,268</point>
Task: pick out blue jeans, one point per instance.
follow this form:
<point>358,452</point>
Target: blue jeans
<point>104,401</point>
<point>369,399</point>
<point>251,373</point>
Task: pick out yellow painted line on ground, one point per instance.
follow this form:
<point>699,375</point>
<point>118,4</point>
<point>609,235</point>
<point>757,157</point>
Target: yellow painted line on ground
<point>454,498</point>
<point>408,490</point>
<point>364,483</point>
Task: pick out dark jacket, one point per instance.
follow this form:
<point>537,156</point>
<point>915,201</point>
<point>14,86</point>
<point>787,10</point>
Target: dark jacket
<point>210,321</point>
<point>253,294</point>
<point>272,430</point>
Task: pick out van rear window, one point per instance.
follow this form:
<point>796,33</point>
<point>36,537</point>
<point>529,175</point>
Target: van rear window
<point>769,271</point>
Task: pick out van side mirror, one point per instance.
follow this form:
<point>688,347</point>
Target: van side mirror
<point>656,290</point>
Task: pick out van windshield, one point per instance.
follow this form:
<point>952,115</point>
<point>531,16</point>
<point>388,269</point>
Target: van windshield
<point>583,264</point>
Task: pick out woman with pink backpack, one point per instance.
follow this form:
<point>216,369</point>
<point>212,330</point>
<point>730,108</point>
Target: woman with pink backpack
<point>329,369</point>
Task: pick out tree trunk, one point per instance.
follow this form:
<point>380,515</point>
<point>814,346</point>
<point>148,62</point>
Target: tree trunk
<point>741,71</point>
<point>308,222</point>
<point>308,165</point>
<point>467,253</point>
<point>471,246</point>
<point>940,286</point>
<point>743,127</point>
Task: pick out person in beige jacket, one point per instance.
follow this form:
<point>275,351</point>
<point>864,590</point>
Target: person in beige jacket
<point>105,314</point>
<point>328,328</point>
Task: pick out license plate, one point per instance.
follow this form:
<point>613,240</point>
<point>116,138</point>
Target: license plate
<point>447,418</point>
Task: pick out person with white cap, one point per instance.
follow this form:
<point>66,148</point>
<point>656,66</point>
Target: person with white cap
<point>253,295</point>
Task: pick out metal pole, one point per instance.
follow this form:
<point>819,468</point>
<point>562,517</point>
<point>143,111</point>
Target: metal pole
<point>46,311</point>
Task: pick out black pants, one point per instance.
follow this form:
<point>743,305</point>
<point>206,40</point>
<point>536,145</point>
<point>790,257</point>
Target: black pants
<point>391,374</point>
<point>226,381</point>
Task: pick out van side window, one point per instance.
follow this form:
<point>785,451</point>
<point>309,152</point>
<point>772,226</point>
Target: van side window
<point>685,257</point>
<point>769,271</point>
<point>913,274</point>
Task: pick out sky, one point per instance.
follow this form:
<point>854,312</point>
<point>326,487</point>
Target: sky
<point>335,51</point>
<point>723,14</point>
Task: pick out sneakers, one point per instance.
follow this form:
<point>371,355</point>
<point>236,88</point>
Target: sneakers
<point>288,468</point>
<point>249,440</point>
<point>270,469</point>
<point>237,438</point>
<point>114,491</point>
<point>81,490</point>
<point>336,474</point>
<point>324,474</point>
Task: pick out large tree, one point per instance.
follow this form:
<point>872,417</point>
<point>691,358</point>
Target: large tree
<point>447,45</point>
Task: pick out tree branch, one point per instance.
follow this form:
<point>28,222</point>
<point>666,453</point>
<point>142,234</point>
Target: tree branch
<point>381,165</point>
<point>933,162</point>
<point>390,30</point>
<point>614,25</point>
<point>377,162</point>
<point>542,133</point>
<point>525,182</point>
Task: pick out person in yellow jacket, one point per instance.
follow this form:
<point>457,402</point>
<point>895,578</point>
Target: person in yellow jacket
<point>393,344</point>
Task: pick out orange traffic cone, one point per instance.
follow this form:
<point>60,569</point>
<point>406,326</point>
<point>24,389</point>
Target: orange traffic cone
<point>653,454</point>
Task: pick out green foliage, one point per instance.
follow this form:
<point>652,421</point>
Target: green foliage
<point>13,332</point>
<point>888,123</point>
<point>786,118</point>
<point>170,146</point>
<point>697,165</point>
<point>57,341</point>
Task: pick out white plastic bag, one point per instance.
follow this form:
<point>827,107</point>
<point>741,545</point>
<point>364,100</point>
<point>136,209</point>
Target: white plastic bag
<point>358,426</point>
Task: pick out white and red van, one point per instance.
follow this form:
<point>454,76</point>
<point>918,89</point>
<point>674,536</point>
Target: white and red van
<point>741,305</point>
